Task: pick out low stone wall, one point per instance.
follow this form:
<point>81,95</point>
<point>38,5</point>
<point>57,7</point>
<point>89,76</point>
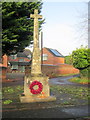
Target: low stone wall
<point>55,70</point>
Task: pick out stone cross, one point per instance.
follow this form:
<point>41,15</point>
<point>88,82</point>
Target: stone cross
<point>36,75</point>
<point>36,59</point>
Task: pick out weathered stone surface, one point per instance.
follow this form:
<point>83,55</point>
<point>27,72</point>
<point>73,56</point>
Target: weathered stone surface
<point>36,74</point>
<point>36,59</point>
<point>29,99</point>
<point>44,80</point>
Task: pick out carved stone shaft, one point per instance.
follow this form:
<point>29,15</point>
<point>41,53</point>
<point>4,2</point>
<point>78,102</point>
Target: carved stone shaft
<point>36,59</point>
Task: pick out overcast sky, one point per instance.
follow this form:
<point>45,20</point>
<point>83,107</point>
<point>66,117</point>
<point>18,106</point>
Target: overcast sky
<point>64,28</point>
<point>63,25</point>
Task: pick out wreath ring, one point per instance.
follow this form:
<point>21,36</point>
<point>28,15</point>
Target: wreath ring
<point>37,91</point>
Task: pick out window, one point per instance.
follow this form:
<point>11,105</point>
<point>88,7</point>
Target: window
<point>22,68</point>
<point>21,60</point>
<point>14,67</point>
<point>45,56</point>
<point>13,56</point>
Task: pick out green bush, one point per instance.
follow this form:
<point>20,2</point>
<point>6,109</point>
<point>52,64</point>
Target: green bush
<point>84,73</point>
<point>81,61</point>
<point>7,102</point>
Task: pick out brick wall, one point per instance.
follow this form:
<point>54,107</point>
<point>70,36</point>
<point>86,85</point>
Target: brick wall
<point>3,67</point>
<point>58,60</point>
<point>5,60</point>
<point>67,69</point>
<point>3,71</point>
<point>55,70</point>
<point>50,70</point>
<point>62,69</point>
<point>17,59</point>
<point>51,58</point>
<point>3,74</point>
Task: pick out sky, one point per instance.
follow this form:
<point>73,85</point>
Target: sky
<point>64,28</point>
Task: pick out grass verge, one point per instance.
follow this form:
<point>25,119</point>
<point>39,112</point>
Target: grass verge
<point>83,80</point>
<point>66,95</point>
<point>65,75</point>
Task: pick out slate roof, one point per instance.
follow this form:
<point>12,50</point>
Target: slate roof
<point>24,54</point>
<point>55,52</point>
<point>21,54</point>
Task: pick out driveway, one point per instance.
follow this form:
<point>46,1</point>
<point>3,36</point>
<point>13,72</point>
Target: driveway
<point>65,81</point>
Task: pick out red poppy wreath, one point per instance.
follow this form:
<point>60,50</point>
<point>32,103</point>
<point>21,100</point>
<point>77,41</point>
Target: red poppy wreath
<point>36,91</point>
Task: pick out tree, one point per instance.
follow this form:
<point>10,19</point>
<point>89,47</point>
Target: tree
<point>17,27</point>
<point>81,59</point>
<point>89,24</point>
<point>82,26</point>
<point>68,59</point>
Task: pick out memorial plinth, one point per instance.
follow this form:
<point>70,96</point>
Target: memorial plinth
<point>36,85</point>
<point>43,96</point>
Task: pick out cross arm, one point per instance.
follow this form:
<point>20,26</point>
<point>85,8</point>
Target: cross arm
<point>36,16</point>
<point>40,16</point>
<point>31,16</point>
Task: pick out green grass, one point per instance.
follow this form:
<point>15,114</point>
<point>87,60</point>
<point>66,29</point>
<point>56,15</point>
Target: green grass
<point>71,95</point>
<point>61,75</point>
<point>7,102</point>
<point>68,74</point>
<point>74,91</point>
<point>66,95</point>
<point>65,75</point>
<point>11,94</point>
<point>80,80</point>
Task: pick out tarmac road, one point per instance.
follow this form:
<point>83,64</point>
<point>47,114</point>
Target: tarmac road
<point>56,112</point>
<point>64,81</point>
<point>18,79</point>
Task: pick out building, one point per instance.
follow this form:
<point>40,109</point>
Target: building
<point>18,61</point>
<point>52,57</point>
<point>53,63</point>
